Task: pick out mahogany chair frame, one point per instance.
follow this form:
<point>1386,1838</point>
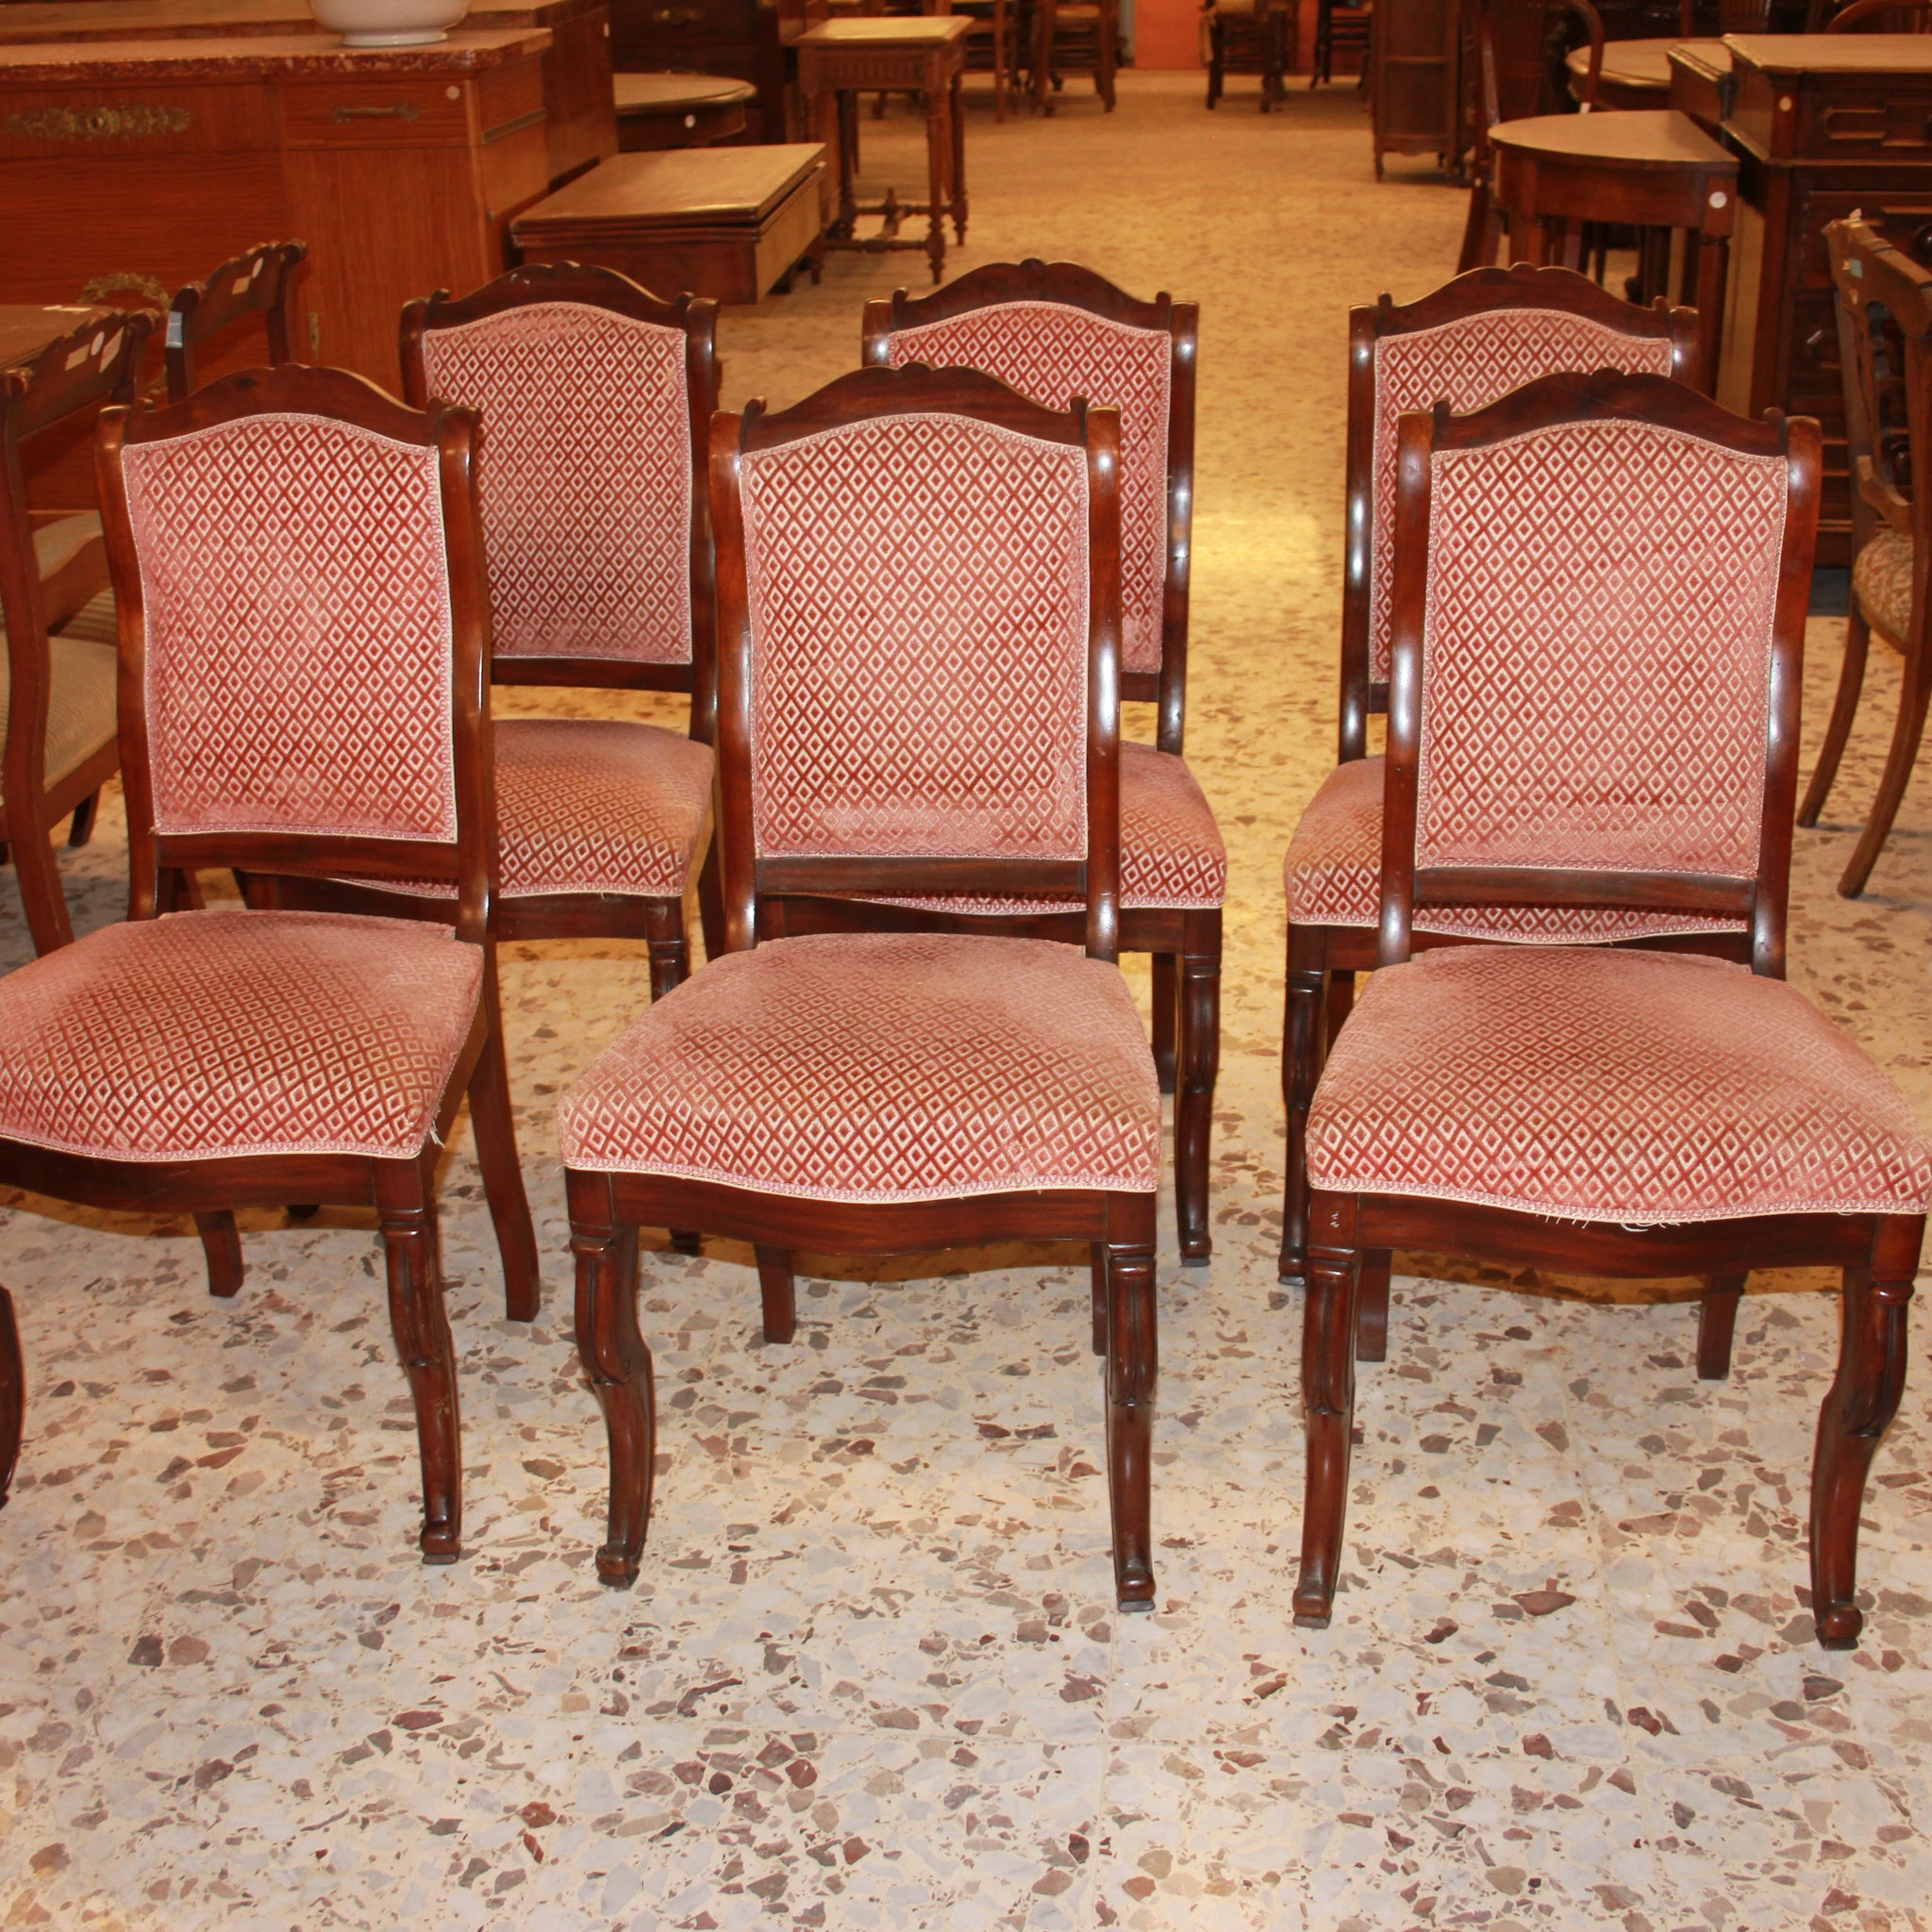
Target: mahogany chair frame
<point>659,922</point>
<point>401,1192</point>
<point>12,1395</point>
<point>1047,45</point>
<point>1186,946</point>
<point>98,362</point>
<point>1340,23</point>
<point>1322,960</point>
<point>1878,1254</point>
<point>1853,18</point>
<point>606,1209</point>
<point>1882,298</point>
<point>261,281</point>
<point>1261,40</point>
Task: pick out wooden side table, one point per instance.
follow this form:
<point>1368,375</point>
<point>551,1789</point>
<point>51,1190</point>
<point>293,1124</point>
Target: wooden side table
<point>1651,169</point>
<point>838,60</point>
<point>665,110</point>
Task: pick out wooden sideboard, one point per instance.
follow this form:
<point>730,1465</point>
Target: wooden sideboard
<point>1822,124</point>
<point>580,118</point>
<point>1413,62</point>
<point>137,165</point>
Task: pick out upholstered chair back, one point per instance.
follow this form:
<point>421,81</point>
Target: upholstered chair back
<point>920,605</point>
<point>1474,340</point>
<point>296,566</point>
<point>1599,593</point>
<point>592,515</point>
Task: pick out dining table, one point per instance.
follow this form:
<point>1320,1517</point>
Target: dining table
<point>27,328</point>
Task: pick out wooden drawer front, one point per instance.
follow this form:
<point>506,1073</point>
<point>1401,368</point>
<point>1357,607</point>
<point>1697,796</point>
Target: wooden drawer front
<point>511,98</point>
<point>1904,219</point>
<point>109,120</point>
<point>375,113</point>
<point>1848,123</point>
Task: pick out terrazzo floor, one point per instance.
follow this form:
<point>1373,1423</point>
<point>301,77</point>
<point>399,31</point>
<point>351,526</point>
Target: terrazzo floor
<point>871,1676</point>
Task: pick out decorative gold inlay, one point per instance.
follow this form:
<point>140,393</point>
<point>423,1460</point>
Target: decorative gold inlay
<point>98,123</point>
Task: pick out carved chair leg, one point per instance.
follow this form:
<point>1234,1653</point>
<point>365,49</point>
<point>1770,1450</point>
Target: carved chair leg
<point>1199,1064</point>
<point>712,903</point>
<point>1166,1009</point>
<point>1844,707</point>
<point>416,1312</point>
<point>1133,1360</point>
<point>221,1243</point>
<point>1303,1032</point>
<point>670,960</point>
<point>82,828</point>
<point>1906,735</point>
<point>1478,249</point>
<point>1340,1004</point>
<point>494,1121</point>
<point>1864,1398</point>
<point>12,1395</point>
<point>618,1365</point>
<point>1717,1319</point>
<point>42,896</point>
<point>1372,1307</point>
<point>1328,1326</point>
<point>777,1291</point>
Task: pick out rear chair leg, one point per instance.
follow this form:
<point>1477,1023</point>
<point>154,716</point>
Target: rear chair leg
<point>619,1366</point>
<point>1716,1319</point>
<point>12,1395</point>
<point>221,1243</point>
<point>1304,1028</point>
<point>1372,1307</point>
<point>493,1119</point>
<point>777,1290</point>
<point>1166,1004</point>
<point>1193,1118</point>
<point>1133,1365</point>
<point>1096,1268</point>
<point>1328,1327</point>
<point>82,829</point>
<point>421,1321</point>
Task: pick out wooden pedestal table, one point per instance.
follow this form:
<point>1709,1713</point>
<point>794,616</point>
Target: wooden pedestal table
<point>725,222</point>
<point>840,58</point>
<point>659,110</point>
<point>1653,169</point>
<point>580,126</point>
<point>1636,73</point>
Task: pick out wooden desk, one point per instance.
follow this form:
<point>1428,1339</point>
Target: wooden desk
<point>1653,169</point>
<point>660,111</point>
<point>1824,124</point>
<point>581,125</point>
<point>1701,82</point>
<point>149,162</point>
<point>1635,74</point>
<point>926,56</point>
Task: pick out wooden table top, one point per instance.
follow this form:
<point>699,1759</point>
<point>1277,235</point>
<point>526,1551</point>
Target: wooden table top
<point>23,21</point>
<point>1642,63</point>
<point>27,328</point>
<point>669,93</point>
<point>685,187</point>
<point>1641,140</point>
<point>234,58</point>
<point>926,29</point>
<point>1832,53</point>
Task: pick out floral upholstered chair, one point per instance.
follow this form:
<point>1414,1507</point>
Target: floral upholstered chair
<point>1599,614</point>
<point>919,596</point>
<point>303,662</point>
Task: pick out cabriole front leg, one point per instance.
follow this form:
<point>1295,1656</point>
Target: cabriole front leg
<point>618,1365</point>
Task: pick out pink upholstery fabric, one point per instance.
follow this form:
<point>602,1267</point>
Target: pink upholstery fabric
<point>1333,875</point>
<point>880,1067</point>
<point>919,613</point>
<point>1172,857</point>
<point>1636,1087</point>
<point>586,805</point>
<point>586,478</point>
<point>1053,354</point>
<point>296,586</point>
<point>230,1033</point>
<point>1882,582</point>
<point>1596,659</point>
<point>1472,363</point>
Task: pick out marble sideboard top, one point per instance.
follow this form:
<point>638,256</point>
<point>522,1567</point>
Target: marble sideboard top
<point>263,57</point>
<point>25,21</point>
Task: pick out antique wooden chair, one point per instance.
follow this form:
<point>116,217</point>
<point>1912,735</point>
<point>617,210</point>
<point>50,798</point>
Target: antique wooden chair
<point>57,706</point>
<point>1483,230</point>
<point>1053,330</point>
<point>261,282</point>
<point>1882,17</point>
<point>595,396</point>
<point>1074,37</point>
<point>894,1092</point>
<point>1598,708</point>
<point>1340,25</point>
<point>1472,340</point>
<point>1250,37</point>
<point>303,676</point>
<point>1883,301</point>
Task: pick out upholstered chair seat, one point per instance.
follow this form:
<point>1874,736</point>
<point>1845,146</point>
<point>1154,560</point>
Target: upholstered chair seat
<point>58,543</point>
<point>1641,1088</point>
<point>880,1067</point>
<point>1882,581</point>
<point>1333,877</point>
<point>237,1033</point>
<point>81,688</point>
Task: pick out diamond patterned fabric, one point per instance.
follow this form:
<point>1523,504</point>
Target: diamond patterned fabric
<point>1474,361</point>
<point>81,700</point>
<point>1172,857</point>
<point>230,1033</point>
<point>1595,681</point>
<point>1052,353</point>
<point>586,805</point>
<point>919,620</point>
<point>880,1067</point>
<point>296,586</point>
<point>1634,1088</point>
<point>1333,877</point>
<point>1882,582</point>
<point>585,478</point>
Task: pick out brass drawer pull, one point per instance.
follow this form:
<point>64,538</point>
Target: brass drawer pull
<point>405,111</point>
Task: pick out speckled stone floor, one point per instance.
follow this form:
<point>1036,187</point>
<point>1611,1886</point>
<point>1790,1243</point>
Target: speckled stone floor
<point>871,1676</point>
